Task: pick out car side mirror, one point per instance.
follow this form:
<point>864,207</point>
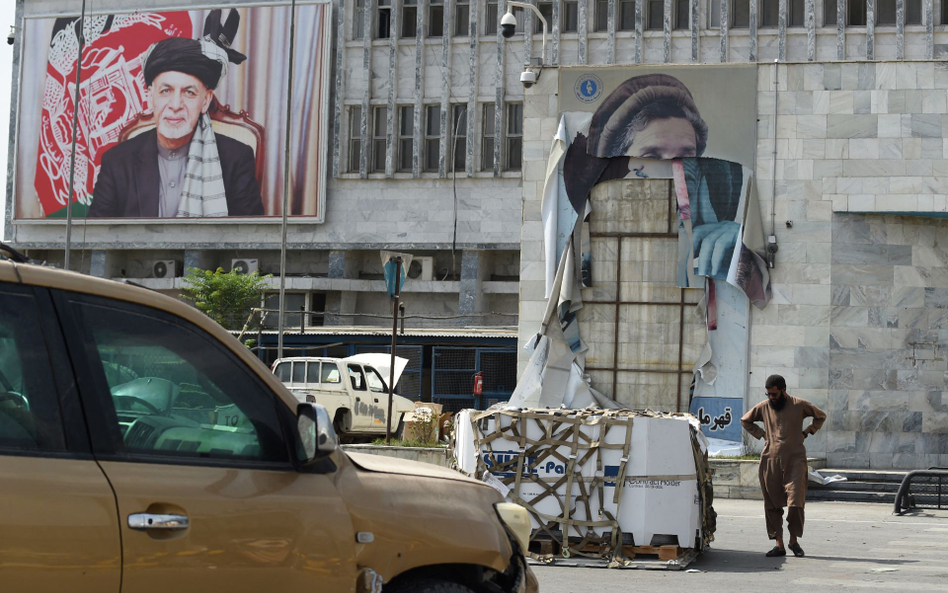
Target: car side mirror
<point>316,438</point>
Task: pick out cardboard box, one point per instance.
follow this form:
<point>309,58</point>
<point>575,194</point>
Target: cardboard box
<point>415,421</point>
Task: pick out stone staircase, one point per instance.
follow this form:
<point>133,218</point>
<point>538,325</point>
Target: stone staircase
<point>860,486</point>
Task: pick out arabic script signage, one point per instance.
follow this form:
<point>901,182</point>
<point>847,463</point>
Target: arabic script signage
<point>720,417</point>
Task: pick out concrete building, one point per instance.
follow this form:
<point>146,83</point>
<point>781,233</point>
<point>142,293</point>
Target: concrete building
<point>428,119</point>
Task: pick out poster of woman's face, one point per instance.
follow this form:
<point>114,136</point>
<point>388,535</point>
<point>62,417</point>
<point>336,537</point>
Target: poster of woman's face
<point>666,112</point>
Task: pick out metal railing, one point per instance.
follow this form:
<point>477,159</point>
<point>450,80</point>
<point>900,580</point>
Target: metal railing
<point>923,489</point>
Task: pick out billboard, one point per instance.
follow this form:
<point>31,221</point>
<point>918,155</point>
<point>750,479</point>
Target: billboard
<point>181,115</point>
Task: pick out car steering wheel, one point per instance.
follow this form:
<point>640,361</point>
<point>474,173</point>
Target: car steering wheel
<point>131,399</point>
<point>15,397</point>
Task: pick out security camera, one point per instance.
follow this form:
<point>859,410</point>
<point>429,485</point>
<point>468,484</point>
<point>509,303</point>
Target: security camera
<point>528,78</point>
<point>508,25</point>
<point>11,37</point>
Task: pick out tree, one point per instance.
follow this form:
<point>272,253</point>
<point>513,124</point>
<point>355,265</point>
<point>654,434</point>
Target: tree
<point>225,297</point>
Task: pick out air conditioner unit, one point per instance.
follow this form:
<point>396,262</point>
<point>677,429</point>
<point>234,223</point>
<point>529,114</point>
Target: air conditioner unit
<point>244,266</point>
<point>421,268</point>
<point>163,268</point>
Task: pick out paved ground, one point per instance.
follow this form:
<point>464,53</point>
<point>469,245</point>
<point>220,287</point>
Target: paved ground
<point>849,547</point>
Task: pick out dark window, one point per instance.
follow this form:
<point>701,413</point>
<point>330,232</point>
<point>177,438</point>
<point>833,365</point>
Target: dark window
<point>406,137</point>
<point>913,12</point>
<point>459,129</point>
<point>885,12</point>
<point>514,138</point>
<point>769,13</point>
<point>410,18</point>
<point>30,419</point>
<point>626,15</point>
<point>330,373</point>
<point>356,377</point>
<point>436,18</point>
<point>358,19</point>
<point>379,133</point>
<point>856,10</point>
<point>293,304</point>
<point>521,17</point>
<point>383,22</point>
<point>602,15</point>
<point>490,19</point>
<point>312,372</point>
<point>173,391</point>
<point>797,16</point>
<point>740,14</point>
<point>656,15</point>
<point>546,9</point>
<point>462,18</point>
<point>944,12</point>
<point>682,16</point>
<point>432,137</point>
<point>829,13</point>
<point>487,141</point>
<point>569,17</point>
<point>355,138</point>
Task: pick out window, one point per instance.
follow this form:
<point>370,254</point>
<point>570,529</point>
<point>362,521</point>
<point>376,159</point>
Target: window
<point>358,19</point>
<point>462,18</point>
<point>172,391</point>
<point>626,15</point>
<point>514,152</point>
<point>283,371</point>
<point>459,143</point>
<point>383,20</point>
<point>602,15</point>
<point>379,133</point>
<point>546,9</point>
<point>330,373</point>
<point>436,18</point>
<point>682,18</point>
<point>487,141</point>
<point>355,138</point>
<point>432,137</point>
<point>738,14</point>
<point>569,17</point>
<point>769,13</point>
<point>299,372</point>
<point>490,19</point>
<point>829,12</point>
<point>521,20</point>
<point>406,137</point>
<point>797,13</point>
<point>356,377</point>
<point>29,406</point>
<point>410,18</point>
<point>312,372</point>
<point>886,13</point>
<point>856,13</point>
<point>293,305</point>
<point>656,15</point>
<point>374,381</point>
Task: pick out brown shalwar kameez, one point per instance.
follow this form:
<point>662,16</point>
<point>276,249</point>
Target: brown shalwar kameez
<point>783,469</point>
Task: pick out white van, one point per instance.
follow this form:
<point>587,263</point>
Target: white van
<point>354,390</point>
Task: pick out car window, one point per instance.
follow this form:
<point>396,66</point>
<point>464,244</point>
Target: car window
<point>175,392</point>
<point>312,372</point>
<point>356,377</point>
<point>330,373</point>
<point>282,372</point>
<point>375,381</point>
<point>299,370</point>
<point>29,404</point>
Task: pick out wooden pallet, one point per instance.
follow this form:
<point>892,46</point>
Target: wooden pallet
<point>684,557</point>
<point>664,553</point>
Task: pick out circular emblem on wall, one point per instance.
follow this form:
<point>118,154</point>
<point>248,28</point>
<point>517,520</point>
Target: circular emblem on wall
<point>588,88</point>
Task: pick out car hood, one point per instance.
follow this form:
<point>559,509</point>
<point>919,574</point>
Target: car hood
<point>403,467</point>
<point>381,362</point>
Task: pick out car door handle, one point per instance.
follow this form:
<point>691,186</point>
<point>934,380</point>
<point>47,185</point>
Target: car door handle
<point>146,521</point>
<point>376,400</point>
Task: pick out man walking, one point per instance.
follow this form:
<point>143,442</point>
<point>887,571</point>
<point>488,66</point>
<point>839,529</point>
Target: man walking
<point>783,469</point>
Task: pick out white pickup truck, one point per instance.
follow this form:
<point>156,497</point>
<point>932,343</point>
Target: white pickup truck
<point>354,390</point>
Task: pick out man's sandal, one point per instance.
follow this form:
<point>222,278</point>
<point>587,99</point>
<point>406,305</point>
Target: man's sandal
<point>776,552</point>
<point>797,550</point>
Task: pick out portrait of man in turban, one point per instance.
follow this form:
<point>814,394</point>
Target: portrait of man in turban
<point>182,168</point>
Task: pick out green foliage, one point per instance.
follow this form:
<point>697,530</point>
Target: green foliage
<point>225,297</point>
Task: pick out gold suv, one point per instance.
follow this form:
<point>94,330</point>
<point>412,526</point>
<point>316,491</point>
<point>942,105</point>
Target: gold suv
<point>143,448</point>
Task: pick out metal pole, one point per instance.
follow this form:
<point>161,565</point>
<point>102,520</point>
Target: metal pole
<point>286,178</point>
<point>75,126</point>
<point>391,372</point>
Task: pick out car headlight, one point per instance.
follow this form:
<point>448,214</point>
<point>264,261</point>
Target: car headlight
<point>517,519</point>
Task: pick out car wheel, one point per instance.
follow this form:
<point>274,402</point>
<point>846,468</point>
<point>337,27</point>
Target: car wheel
<point>432,586</point>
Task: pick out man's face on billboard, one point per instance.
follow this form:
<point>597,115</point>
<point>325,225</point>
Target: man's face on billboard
<point>665,138</point>
<point>178,100</point>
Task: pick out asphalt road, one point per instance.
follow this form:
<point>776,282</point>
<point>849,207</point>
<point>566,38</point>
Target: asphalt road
<point>849,547</point>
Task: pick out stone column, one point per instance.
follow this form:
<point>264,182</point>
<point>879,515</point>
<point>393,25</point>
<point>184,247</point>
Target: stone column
<point>99,264</point>
<point>471,298</point>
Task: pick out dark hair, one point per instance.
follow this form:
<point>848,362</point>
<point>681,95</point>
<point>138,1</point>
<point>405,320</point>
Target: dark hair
<point>775,381</point>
